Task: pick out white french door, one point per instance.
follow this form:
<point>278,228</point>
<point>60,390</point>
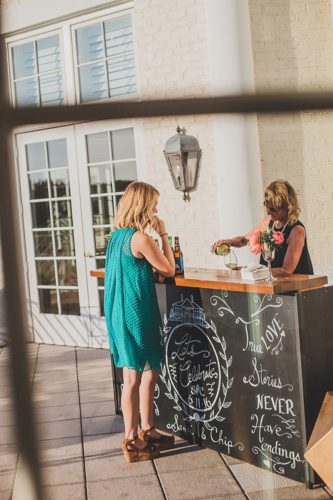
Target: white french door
<point>71,179</point>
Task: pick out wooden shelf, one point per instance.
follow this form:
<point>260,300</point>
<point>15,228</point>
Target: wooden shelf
<point>217,279</point>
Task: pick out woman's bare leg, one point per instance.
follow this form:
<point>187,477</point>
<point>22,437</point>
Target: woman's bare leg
<point>147,388</point>
<point>130,404</point>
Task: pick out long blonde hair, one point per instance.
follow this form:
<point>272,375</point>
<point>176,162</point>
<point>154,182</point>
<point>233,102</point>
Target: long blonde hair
<point>281,195</point>
<point>135,208</point>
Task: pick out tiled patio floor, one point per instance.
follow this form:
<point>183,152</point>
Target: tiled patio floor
<point>80,435</point>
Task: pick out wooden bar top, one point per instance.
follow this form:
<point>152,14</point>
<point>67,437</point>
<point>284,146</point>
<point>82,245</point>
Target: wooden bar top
<point>220,279</point>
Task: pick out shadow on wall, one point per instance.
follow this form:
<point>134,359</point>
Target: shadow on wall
<point>276,68</point>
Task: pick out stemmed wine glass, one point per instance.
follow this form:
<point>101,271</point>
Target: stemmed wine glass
<point>230,260</point>
<point>269,255</point>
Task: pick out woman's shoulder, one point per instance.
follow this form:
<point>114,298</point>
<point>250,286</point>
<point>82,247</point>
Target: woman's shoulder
<point>296,225</point>
<point>297,230</point>
<point>140,238</point>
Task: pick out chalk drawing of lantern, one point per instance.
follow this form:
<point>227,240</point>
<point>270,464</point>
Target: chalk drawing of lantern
<point>187,310</point>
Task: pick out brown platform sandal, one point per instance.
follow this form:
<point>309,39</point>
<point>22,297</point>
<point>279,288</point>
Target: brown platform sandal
<point>164,442</point>
<point>134,454</point>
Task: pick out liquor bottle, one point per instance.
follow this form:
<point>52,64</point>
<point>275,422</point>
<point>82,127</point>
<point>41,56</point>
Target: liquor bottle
<point>178,258</point>
<point>222,250</point>
<point>170,242</point>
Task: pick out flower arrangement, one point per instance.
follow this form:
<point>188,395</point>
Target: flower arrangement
<point>267,239</point>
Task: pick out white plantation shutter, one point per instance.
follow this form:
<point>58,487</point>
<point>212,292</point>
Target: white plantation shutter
<point>105,55</point>
<point>37,72</point>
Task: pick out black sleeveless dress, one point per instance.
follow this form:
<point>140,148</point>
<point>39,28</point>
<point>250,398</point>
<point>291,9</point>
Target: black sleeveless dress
<point>304,265</point>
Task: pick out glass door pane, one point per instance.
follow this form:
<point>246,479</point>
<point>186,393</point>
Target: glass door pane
<point>54,240</point>
<point>108,164</point>
<point>48,178</point>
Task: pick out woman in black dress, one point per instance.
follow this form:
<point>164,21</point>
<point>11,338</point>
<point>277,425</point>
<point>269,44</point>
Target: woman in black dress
<point>283,210</point>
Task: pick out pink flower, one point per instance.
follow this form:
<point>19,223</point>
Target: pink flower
<point>254,244</point>
<point>278,237</point>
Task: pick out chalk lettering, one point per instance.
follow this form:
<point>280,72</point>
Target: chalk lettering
<point>260,377</point>
<point>187,347</point>
<point>193,373</point>
<point>270,403</point>
<point>277,449</point>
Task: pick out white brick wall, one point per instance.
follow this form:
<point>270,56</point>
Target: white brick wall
<point>293,49</point>
<point>171,49</point>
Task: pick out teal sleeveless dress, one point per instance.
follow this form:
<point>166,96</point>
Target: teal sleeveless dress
<point>131,310</point>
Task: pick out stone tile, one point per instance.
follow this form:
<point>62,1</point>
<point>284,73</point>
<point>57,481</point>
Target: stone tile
<point>7,435</point>
<point>142,487</point>
<point>199,484</point>
<point>64,492</point>
<point>7,391</point>
<point>54,413</point>
<point>6,483</point>
<point>98,384</point>
<point>8,459</point>
<point>298,492</point>
<point>6,494</point>
<point>43,387</point>
<point>6,404</point>
<point>98,409</point>
<point>55,399</point>
<point>57,376</point>
<point>59,429</point>
<point>94,395</point>
<point>184,457</point>
<point>98,354</point>
<point>55,357</point>
<point>105,460</point>
<point>102,425</point>
<point>253,478</point>
<point>61,461</point>
<point>53,449</point>
<point>7,417</point>
<point>102,387</point>
<point>231,460</point>
<point>237,496</point>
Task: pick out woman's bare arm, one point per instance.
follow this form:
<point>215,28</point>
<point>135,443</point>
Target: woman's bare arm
<point>295,246</point>
<point>241,241</point>
<point>143,245</point>
<point>236,241</point>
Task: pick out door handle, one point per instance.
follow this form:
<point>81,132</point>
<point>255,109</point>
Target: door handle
<point>88,255</point>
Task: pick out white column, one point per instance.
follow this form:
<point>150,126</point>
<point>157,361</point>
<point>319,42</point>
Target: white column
<point>236,141</point>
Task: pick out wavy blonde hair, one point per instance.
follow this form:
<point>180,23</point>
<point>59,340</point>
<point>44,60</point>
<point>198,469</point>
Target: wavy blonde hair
<point>281,195</point>
<point>135,208</point>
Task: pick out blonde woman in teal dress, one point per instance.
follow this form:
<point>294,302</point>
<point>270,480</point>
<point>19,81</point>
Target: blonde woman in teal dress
<point>132,314</point>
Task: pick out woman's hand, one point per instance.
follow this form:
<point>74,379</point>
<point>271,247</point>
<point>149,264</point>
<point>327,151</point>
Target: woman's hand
<point>160,226</point>
<point>218,243</point>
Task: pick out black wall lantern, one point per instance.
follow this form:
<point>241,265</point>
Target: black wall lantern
<point>183,154</point>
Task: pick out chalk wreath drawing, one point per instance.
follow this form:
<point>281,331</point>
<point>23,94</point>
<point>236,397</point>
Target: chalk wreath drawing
<point>274,333</point>
<point>196,367</point>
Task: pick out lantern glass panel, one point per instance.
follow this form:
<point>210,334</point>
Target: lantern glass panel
<point>190,161</point>
<point>175,164</point>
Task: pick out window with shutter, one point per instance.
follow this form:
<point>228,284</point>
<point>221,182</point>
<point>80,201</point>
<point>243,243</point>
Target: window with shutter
<point>37,77</point>
<point>105,59</point>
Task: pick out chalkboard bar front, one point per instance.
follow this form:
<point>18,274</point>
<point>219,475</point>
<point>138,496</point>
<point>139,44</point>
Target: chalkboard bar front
<point>218,279</point>
<point>246,365</point>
